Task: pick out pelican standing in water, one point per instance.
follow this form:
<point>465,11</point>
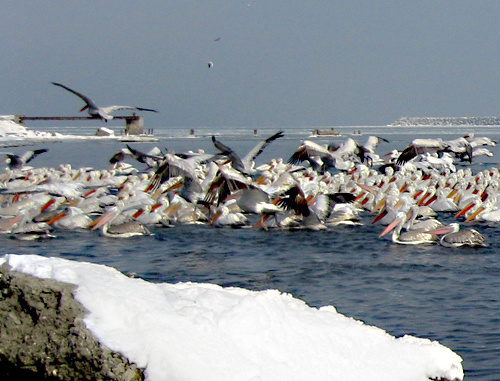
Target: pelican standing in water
<point>410,237</point>
<point>95,111</point>
<point>456,237</point>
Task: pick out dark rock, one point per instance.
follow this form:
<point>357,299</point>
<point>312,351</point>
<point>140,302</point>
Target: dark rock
<point>43,336</point>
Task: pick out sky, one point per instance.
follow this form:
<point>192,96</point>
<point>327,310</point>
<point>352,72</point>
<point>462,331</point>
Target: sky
<point>194,331</point>
<point>275,63</point>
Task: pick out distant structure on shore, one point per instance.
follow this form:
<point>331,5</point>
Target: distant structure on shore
<point>447,121</point>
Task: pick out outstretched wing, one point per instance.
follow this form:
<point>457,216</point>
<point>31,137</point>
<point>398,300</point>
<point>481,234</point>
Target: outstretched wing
<point>257,150</point>
<point>86,99</point>
<point>30,155</point>
<point>236,162</point>
<point>111,109</point>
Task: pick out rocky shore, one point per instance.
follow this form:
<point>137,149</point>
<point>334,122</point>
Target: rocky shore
<point>43,335</point>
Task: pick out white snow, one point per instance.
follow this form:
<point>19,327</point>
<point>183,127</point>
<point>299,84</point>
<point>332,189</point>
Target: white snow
<point>193,331</point>
<point>14,133</point>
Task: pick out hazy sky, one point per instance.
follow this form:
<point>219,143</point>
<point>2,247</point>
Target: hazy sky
<point>277,63</point>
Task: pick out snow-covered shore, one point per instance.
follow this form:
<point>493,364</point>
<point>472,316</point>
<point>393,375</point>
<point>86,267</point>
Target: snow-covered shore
<point>194,331</point>
<point>13,134</point>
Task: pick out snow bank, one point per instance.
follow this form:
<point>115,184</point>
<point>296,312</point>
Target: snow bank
<point>12,131</point>
<point>193,331</point>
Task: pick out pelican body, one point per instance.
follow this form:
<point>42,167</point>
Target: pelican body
<point>95,111</point>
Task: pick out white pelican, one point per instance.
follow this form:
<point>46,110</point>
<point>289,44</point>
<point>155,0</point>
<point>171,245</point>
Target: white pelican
<point>71,218</point>
<point>246,164</point>
<point>122,228</point>
<point>419,146</point>
<point>411,237</point>
<point>456,237</point>
<point>95,111</point>
<point>19,162</point>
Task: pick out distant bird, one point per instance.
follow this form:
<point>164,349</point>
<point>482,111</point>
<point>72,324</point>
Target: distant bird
<point>210,64</point>
<point>18,162</point>
<point>95,111</point>
<point>129,153</point>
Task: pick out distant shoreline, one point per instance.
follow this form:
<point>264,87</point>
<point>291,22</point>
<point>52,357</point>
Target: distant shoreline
<point>447,121</point>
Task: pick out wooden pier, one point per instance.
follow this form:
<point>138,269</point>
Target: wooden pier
<point>134,125</point>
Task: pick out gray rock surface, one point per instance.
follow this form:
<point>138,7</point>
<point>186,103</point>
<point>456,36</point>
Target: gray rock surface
<point>43,336</point>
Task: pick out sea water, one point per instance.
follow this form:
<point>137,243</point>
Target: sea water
<point>448,295</point>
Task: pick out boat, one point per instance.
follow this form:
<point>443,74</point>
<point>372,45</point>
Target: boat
<point>330,132</point>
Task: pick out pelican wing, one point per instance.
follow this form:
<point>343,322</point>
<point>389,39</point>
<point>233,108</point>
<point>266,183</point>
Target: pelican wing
<point>236,162</point>
<point>257,150</point>
<point>111,109</point>
<point>30,155</point>
<point>87,100</point>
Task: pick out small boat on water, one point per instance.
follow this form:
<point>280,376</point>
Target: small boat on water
<point>329,132</point>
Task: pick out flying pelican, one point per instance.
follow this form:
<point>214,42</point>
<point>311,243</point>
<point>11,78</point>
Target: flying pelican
<point>454,237</point>
<point>95,111</point>
<point>419,146</point>
<point>150,159</point>
<point>246,164</point>
<point>19,162</point>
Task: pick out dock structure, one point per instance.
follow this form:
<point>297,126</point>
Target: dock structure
<point>134,125</point>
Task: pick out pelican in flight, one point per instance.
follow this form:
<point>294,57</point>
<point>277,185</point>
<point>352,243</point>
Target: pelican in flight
<point>19,162</point>
<point>95,111</point>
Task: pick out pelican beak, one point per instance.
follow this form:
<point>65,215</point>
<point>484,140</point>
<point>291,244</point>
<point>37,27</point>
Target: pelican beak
<point>100,221</point>
<point>381,215</point>
<point>431,200</point>
<point>465,210</point>
<point>215,218</point>
<point>391,226</point>
<point>399,204</point>
<point>367,188</point>
<point>11,222</point>
<point>84,108</point>
<point>138,213</point>
<point>360,196</point>
<point>47,205</point>
<point>56,218</point>
<point>379,206</point>
<point>475,214</point>
<point>170,211</point>
<point>442,230</point>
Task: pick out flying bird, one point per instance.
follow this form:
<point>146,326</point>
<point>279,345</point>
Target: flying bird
<point>103,113</point>
<point>246,164</point>
<point>18,162</point>
<point>210,64</point>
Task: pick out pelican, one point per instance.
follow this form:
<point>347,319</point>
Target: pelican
<point>150,159</point>
<point>454,237</point>
<point>71,218</point>
<point>419,146</point>
<point>19,162</point>
<point>103,113</point>
<point>123,228</point>
<point>246,164</point>
<point>411,237</point>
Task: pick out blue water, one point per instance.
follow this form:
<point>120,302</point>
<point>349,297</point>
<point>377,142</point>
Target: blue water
<point>448,295</point>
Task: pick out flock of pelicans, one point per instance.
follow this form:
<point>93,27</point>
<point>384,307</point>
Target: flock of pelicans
<point>318,187</point>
